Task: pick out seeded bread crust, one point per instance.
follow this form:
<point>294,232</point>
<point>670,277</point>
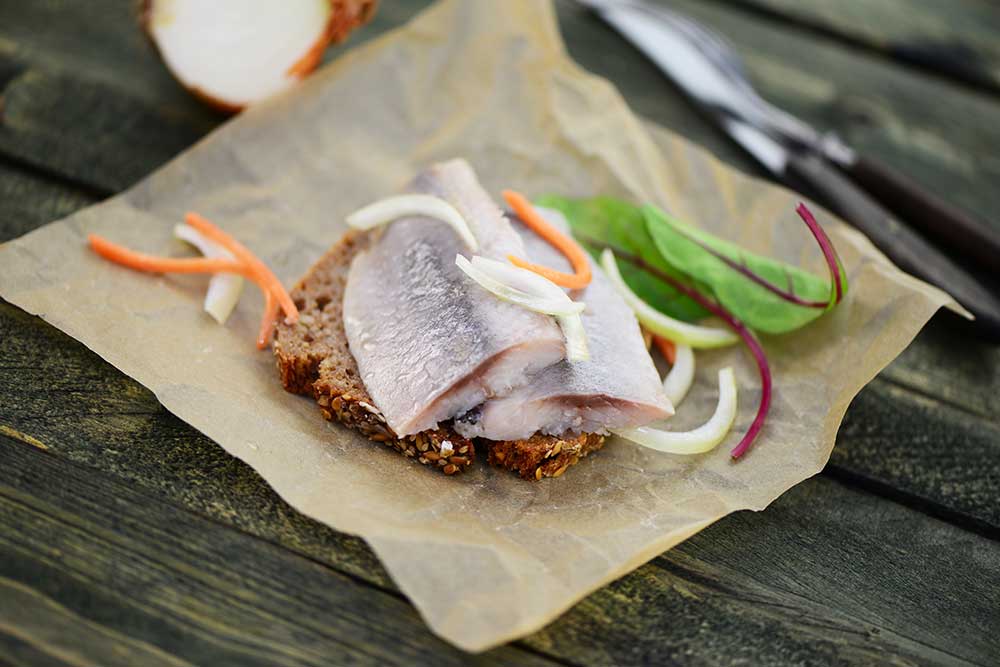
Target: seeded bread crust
<point>313,358</point>
<point>542,455</point>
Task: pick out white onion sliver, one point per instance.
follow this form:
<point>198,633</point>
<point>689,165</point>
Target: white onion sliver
<point>702,439</point>
<point>681,375</point>
<point>576,338</point>
<point>664,325</point>
<point>386,210</point>
<point>558,307</point>
<point>523,279</point>
<point>539,295</point>
<point>224,289</point>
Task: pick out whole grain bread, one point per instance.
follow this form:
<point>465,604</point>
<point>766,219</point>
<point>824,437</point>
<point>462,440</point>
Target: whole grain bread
<point>313,358</point>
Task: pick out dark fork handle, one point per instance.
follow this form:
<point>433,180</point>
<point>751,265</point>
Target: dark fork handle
<point>907,249</point>
<point>947,225</point>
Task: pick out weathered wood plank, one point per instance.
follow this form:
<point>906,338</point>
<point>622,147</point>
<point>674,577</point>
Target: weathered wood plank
<point>826,575</point>
<point>47,33</point>
<point>880,107</point>
<point>127,116</point>
<point>28,201</point>
<point>172,586</point>
<point>924,451</point>
<point>39,630</point>
<point>109,423</point>
<point>950,366</point>
<point>877,105</point>
<point>785,586</point>
<point>106,138</point>
<point>956,38</point>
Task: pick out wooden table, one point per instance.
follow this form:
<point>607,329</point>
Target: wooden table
<point>127,538</point>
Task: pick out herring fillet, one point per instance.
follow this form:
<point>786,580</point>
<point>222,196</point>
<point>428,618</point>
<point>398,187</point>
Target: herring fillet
<point>430,343</point>
<point>618,387</point>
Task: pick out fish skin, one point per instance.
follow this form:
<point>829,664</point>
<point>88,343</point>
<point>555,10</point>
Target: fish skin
<point>619,386</point>
<point>430,343</point>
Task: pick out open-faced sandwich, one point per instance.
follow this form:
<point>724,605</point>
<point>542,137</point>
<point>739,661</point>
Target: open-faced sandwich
<point>396,340</point>
<point>440,325</point>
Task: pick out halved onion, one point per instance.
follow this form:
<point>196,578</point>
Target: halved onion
<point>224,289</point>
<point>681,375</point>
<point>534,292</point>
<point>680,332</point>
<point>386,210</point>
<point>702,439</point>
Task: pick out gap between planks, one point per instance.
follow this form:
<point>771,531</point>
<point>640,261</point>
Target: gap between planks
<point>967,78</point>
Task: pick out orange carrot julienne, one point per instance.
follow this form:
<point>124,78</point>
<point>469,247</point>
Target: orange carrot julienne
<point>267,320</point>
<point>581,275</point>
<point>667,348</point>
<point>243,254</point>
<point>246,264</point>
<point>138,261</point>
<point>153,264</point>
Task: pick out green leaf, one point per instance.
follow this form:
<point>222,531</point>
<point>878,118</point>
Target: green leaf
<point>689,250</point>
<point>603,221</point>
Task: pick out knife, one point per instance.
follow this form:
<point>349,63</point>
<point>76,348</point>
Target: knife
<point>706,68</point>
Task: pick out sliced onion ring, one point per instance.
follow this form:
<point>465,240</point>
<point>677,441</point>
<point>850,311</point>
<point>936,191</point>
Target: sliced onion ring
<point>680,332</point>
<point>386,210</point>
<point>533,292</point>
<point>681,375</point>
<point>224,289</point>
<point>702,439</point>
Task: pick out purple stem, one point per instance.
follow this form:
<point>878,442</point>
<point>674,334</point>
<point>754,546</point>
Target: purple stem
<point>788,295</point>
<point>751,341</point>
<point>829,252</point>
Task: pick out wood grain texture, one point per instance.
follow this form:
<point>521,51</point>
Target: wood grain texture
<point>97,477</point>
<point>878,106</point>
<point>98,551</point>
<point>954,38</point>
<point>826,575</point>
<point>160,581</point>
<point>29,200</point>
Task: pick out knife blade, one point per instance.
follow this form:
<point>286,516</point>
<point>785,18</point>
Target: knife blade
<point>787,147</point>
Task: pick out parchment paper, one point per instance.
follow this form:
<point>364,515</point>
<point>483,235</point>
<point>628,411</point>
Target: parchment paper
<point>485,557</point>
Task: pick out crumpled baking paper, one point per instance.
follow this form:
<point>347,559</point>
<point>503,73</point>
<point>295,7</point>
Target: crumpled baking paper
<point>485,557</point>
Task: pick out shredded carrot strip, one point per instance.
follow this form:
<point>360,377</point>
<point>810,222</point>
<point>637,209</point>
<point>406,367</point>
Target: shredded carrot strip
<point>243,254</point>
<point>667,348</point>
<point>580,277</point>
<point>153,264</point>
<point>267,321</point>
<point>138,261</point>
<point>246,264</point>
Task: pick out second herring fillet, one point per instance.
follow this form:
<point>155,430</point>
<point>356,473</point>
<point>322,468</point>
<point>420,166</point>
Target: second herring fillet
<point>617,388</point>
<point>430,343</point>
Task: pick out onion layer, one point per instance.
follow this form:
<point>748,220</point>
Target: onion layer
<point>224,289</point>
<point>681,375</point>
<point>680,332</point>
<point>534,292</point>
<point>386,210</point>
<point>702,439</point>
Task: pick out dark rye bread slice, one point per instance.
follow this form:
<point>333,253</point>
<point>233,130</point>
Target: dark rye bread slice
<point>313,358</point>
<point>542,455</point>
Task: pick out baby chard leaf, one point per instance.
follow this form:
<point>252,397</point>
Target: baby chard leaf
<point>766,294</point>
<point>604,221</point>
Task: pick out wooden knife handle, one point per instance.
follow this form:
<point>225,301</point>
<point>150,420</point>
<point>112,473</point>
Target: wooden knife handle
<point>908,250</point>
<point>974,239</point>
